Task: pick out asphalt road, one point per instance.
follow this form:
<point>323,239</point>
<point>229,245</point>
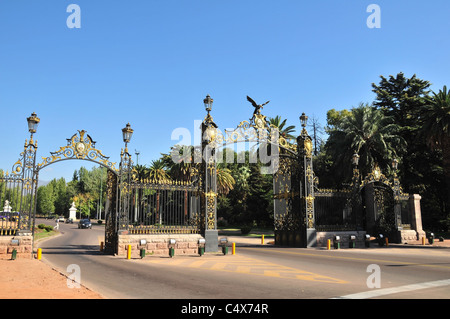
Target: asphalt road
<point>254,272</point>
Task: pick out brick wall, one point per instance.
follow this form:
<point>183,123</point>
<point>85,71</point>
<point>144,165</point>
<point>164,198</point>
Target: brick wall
<point>186,244</point>
<point>24,248</point>
<point>322,237</point>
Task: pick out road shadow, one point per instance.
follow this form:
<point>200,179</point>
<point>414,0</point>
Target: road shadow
<point>72,250</point>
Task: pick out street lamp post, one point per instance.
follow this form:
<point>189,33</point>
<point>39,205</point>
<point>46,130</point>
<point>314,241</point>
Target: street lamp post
<point>127,133</point>
<point>208,178</point>
<point>208,101</point>
<point>124,179</point>
<point>29,178</point>
<point>305,187</point>
<point>33,122</point>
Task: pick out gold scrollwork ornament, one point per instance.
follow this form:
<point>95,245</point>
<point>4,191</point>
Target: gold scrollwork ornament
<point>308,147</point>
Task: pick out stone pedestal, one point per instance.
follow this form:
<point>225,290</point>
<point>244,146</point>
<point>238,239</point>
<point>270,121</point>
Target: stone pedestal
<point>212,240</point>
<point>73,212</point>
<point>311,237</point>
<point>416,215</point>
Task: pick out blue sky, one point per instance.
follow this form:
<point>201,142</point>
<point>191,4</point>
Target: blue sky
<point>151,63</point>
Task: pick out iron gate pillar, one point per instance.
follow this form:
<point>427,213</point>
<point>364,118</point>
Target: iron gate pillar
<point>208,180</point>
<point>304,145</point>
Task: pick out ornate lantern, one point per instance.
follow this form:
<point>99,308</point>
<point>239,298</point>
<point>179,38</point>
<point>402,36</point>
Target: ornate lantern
<point>127,133</point>
<point>33,122</point>
<point>208,101</point>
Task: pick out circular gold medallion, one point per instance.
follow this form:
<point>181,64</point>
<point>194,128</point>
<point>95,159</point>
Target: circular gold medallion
<point>80,147</point>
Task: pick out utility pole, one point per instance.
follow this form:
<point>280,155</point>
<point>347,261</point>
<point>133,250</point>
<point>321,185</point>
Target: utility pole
<point>137,156</point>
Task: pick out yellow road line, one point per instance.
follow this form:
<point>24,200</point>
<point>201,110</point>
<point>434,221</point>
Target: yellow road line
<point>244,269</point>
<point>271,273</point>
<point>246,265</point>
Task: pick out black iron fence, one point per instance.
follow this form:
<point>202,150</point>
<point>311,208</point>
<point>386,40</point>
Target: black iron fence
<point>164,207</point>
<point>334,210</point>
<point>9,223</point>
<point>16,203</point>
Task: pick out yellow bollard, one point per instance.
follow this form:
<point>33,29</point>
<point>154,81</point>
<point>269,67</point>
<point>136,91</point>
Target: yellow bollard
<point>387,242</point>
<point>262,239</point>
<point>233,249</point>
<point>39,253</point>
<point>329,244</point>
<point>101,246</point>
<point>129,252</point>
<point>423,240</point>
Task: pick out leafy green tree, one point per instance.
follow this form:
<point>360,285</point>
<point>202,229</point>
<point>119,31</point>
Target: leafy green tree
<point>45,204</point>
<point>61,201</point>
<point>436,125</point>
<point>436,129</point>
<point>369,133</point>
<point>420,168</point>
<point>260,197</point>
<point>85,204</point>
<point>87,188</point>
<point>401,97</point>
<point>335,118</point>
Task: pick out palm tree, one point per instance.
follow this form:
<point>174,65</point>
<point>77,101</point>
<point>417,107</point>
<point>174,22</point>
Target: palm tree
<point>285,132</point>
<point>157,171</point>
<point>225,181</point>
<point>140,172</point>
<point>435,117</point>
<point>181,167</point>
<point>368,133</point>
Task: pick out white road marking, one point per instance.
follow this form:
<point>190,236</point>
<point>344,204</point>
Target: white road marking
<point>387,291</point>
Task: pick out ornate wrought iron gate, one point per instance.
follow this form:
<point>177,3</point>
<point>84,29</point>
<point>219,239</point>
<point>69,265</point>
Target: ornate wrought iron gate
<point>135,206</point>
<point>19,188</point>
<point>290,162</point>
<point>294,197</point>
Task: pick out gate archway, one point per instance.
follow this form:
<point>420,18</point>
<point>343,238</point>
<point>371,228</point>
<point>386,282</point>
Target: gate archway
<point>81,146</point>
<point>382,202</point>
<point>24,179</point>
<point>290,164</point>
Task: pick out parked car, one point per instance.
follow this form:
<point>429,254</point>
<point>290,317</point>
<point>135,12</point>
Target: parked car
<point>84,223</point>
<point>69,221</point>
